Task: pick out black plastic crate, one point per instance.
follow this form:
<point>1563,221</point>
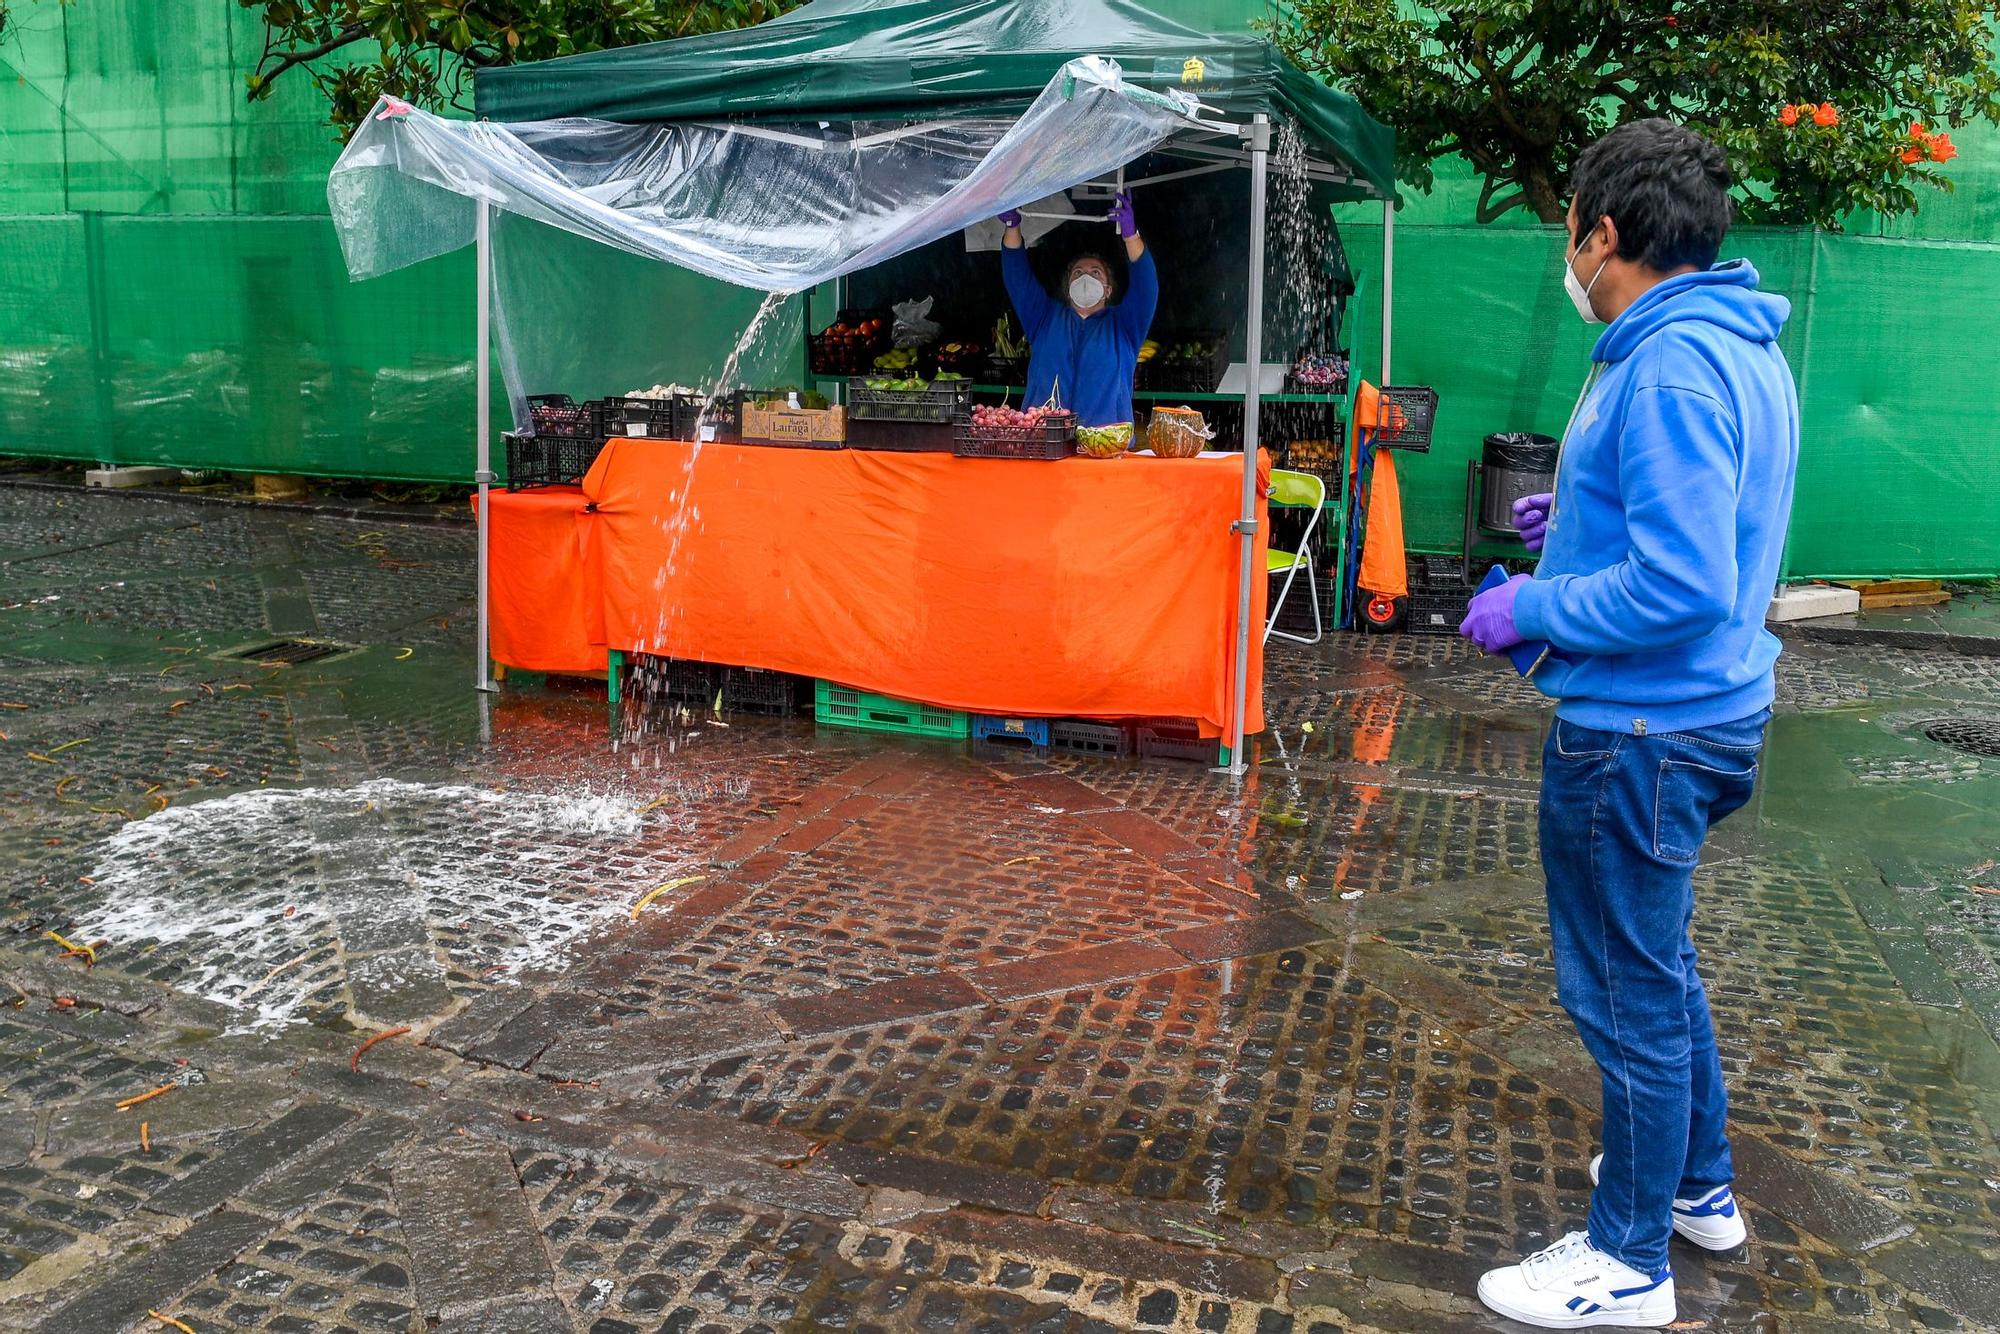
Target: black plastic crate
<point>1007,372</point>
<point>830,355</point>
<point>680,679</point>
<point>548,460</point>
<point>1054,438</point>
<point>758,690</point>
<point>1296,615</point>
<point>901,436</point>
<point>724,414</point>
<point>740,689</point>
<point>1416,406</point>
<point>1174,739</point>
<point>1438,572</point>
<point>1198,374</point>
<point>1109,740</point>
<point>559,415</point>
<point>1436,611</point>
<point>941,403</point>
<point>641,417</point>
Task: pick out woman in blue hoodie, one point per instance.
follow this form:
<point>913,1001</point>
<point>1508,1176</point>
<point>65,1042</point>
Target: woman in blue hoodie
<point>1659,555</point>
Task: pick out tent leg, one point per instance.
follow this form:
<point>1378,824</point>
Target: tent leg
<point>1253,356</point>
<point>484,476</point>
<point>1388,279</point>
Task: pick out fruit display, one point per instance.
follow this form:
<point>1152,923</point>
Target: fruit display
<point>1148,350</point>
<point>896,359</point>
<point>999,414</point>
<point>908,398</point>
<point>996,431</point>
<point>1190,362</point>
<point>850,345</point>
<point>1006,343</point>
<point>1177,433</point>
<point>1104,442</point>
<point>1320,373</point>
<point>809,399</point>
<point>959,356</point>
<point>665,391</point>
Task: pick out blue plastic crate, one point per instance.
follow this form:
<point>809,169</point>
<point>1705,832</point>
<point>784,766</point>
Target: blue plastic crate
<point>1010,731</point>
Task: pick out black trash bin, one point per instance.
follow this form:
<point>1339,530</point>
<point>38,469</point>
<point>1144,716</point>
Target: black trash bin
<point>1513,464</point>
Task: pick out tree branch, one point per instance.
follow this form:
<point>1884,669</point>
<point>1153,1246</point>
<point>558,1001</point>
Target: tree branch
<point>1487,210</point>
<point>348,35</point>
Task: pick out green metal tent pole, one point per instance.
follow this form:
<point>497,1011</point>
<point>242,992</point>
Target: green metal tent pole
<point>1388,277</point>
<point>1259,135</point>
<point>482,678</point>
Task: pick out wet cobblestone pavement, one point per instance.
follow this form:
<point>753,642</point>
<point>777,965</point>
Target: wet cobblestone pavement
<point>733,1025</point>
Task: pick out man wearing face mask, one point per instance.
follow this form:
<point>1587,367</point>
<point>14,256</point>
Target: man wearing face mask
<point>1083,347</point>
<point>1660,548</point>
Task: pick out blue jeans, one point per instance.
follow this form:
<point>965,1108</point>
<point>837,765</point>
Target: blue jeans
<point>1623,818</point>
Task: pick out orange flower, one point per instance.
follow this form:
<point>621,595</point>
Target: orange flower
<point>1917,132</point>
<point>1824,114</point>
<point>1788,117</point>
<point>1942,149</point>
<point>1912,156</point>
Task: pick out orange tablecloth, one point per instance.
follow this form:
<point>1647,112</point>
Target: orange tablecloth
<point>1082,588</point>
<point>543,614</point>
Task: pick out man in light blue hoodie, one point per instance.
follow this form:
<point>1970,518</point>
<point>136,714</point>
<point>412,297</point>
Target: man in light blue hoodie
<point>1659,556</point>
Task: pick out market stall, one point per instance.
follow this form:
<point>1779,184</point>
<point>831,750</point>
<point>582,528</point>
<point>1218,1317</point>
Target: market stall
<point>823,144</point>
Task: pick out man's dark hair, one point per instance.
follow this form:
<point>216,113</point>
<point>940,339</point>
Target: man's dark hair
<point>1666,188</point>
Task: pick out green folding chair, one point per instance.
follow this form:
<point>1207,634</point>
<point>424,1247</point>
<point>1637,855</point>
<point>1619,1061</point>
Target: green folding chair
<point>1295,490</point>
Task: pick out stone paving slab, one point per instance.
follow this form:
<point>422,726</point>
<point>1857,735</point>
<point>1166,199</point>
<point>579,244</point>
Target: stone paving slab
<point>470,1233</point>
<point>156,1278</point>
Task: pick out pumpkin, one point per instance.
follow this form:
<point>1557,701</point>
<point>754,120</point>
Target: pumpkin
<point>1177,433</point>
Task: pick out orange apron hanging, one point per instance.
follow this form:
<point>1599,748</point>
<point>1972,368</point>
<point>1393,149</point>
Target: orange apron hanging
<point>1383,569</point>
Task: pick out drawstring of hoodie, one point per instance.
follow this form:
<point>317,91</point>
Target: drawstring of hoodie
<point>1562,449</point>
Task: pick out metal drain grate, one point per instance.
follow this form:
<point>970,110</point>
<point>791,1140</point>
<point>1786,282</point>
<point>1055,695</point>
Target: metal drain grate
<point>1974,736</point>
<point>286,652</point>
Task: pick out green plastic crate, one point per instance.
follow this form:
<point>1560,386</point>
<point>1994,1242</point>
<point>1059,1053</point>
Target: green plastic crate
<point>842,706</point>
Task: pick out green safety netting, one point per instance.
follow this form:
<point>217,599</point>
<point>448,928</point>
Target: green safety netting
<point>923,59</point>
<point>171,291</point>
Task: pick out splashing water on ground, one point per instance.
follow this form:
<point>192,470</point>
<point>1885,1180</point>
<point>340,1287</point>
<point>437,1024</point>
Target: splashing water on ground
<point>298,903</point>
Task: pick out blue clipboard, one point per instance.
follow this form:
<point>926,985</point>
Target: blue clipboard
<point>1529,654</point>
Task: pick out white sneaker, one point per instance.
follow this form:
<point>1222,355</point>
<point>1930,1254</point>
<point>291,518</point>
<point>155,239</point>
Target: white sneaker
<point>1712,1222</point>
<point>1573,1285</point>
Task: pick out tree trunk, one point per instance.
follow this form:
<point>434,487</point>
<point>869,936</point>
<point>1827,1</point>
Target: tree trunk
<point>1539,190</point>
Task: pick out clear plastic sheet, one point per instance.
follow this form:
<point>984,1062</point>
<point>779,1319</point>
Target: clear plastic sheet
<point>776,208</point>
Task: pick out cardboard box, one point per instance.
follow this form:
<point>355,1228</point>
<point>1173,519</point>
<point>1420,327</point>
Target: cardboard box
<point>794,426</point>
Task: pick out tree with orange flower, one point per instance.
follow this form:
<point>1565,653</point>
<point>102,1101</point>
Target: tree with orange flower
<point>1822,108</point>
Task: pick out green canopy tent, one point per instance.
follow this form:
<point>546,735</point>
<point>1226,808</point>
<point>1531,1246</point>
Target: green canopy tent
<point>933,60</point>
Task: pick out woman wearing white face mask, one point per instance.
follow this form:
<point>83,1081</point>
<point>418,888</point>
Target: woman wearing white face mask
<point>1083,346</point>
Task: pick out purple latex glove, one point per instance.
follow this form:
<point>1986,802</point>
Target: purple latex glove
<point>1489,621</point>
<point>1531,519</point>
<point>1121,215</point>
<point>1011,218</point>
